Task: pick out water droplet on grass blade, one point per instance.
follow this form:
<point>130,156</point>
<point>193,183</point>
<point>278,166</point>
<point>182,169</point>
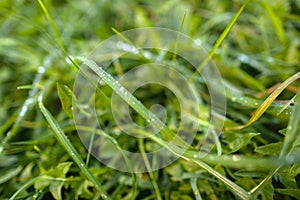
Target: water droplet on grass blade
<point>41,70</point>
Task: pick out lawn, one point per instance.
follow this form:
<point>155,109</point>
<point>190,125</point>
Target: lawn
<point>136,99</point>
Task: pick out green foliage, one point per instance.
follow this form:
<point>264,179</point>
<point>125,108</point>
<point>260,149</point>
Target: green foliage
<point>66,96</point>
<point>255,45</point>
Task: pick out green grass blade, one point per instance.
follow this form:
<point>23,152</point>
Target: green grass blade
<point>53,26</point>
<point>193,182</point>
<point>64,141</point>
<point>115,142</point>
<point>219,41</point>
<point>276,21</point>
<point>135,104</point>
<point>242,193</point>
<point>10,174</point>
<point>293,129</point>
<point>177,38</point>
<point>27,106</point>
<point>194,157</point>
<point>90,146</point>
<point>23,188</point>
<point>148,166</point>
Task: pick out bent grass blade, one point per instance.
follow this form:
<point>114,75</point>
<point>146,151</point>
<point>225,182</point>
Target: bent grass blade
<point>265,105</point>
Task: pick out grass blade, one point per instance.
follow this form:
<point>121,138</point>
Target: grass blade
<point>219,41</point>
<point>135,104</point>
<point>64,141</point>
<point>27,106</point>
<point>53,26</point>
<point>195,188</point>
<point>277,23</point>
<point>24,187</point>
<point>293,129</point>
<point>147,163</point>
<point>264,106</point>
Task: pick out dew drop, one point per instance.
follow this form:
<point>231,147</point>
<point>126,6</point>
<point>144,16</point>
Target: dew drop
<point>41,69</point>
<point>115,141</point>
<point>235,158</point>
<point>195,156</point>
<point>103,196</point>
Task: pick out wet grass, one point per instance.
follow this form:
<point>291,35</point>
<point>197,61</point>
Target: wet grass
<point>255,46</point>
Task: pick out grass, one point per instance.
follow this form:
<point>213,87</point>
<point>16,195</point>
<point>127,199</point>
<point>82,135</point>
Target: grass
<point>255,46</point>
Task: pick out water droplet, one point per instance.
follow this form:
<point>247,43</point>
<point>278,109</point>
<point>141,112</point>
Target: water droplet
<point>41,69</point>
<point>195,156</point>
<point>103,196</point>
<point>40,98</point>
<point>233,99</point>
<point>81,165</point>
<point>235,158</point>
<point>243,58</point>
<point>115,141</point>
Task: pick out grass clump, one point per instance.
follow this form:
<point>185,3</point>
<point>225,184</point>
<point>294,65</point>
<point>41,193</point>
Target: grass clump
<point>254,44</point>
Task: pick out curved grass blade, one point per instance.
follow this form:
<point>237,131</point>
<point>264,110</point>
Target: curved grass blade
<point>193,182</point>
<point>24,187</point>
<point>264,106</point>
<point>64,141</point>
